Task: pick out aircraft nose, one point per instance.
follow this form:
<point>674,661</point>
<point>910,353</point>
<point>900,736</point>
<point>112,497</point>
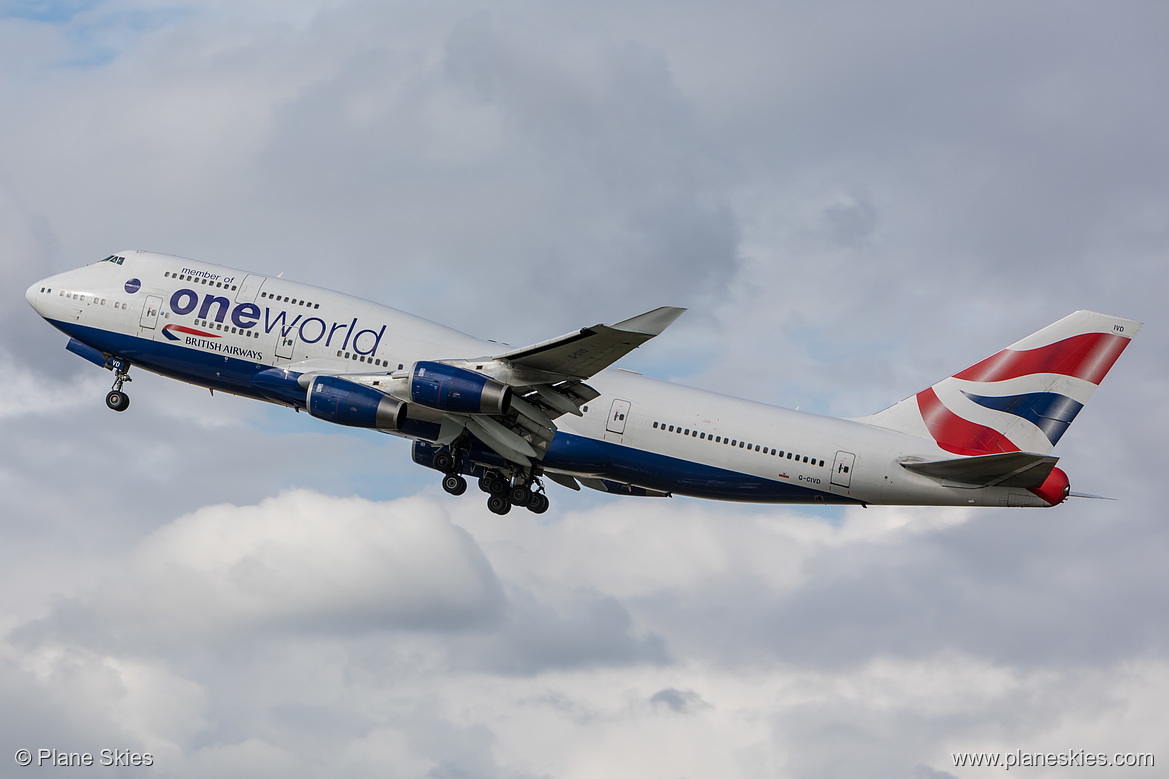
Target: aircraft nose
<point>31,293</point>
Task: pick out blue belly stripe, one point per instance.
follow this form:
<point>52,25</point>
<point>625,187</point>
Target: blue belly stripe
<point>587,456</point>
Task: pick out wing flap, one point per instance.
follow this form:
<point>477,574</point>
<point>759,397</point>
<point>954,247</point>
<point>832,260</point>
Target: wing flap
<point>1012,469</point>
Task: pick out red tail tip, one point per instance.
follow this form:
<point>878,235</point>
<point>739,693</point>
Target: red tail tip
<point>1055,488</point>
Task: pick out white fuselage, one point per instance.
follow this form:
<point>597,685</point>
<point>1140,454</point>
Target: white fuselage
<point>218,327</point>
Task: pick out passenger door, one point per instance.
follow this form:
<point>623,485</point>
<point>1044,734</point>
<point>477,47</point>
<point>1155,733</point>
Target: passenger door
<point>842,468</point>
<point>150,311</point>
<point>617,415</point>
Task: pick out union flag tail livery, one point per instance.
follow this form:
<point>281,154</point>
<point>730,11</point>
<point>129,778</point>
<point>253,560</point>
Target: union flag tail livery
<point>555,411</point>
<point>1021,399</point>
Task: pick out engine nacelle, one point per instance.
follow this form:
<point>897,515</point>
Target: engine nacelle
<point>449,388</point>
<point>346,403</point>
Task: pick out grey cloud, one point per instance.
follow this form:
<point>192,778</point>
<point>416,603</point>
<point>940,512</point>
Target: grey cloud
<point>587,630</point>
<point>678,701</point>
<point>925,772</point>
<point>1068,591</point>
<point>594,178</point>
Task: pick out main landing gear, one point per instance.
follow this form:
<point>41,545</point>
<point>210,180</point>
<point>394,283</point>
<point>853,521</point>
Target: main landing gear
<point>522,489</point>
<point>118,400</point>
<point>503,493</point>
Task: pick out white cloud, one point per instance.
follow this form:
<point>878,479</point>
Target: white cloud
<point>306,559</point>
<point>316,631</point>
<point>28,394</point>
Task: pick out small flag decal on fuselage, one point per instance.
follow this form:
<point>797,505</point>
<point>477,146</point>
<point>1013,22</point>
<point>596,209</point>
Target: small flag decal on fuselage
<point>170,330</point>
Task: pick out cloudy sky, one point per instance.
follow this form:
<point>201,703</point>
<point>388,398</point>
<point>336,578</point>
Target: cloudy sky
<point>853,199</point>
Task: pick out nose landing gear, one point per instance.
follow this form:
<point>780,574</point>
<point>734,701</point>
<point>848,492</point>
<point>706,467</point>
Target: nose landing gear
<point>116,399</point>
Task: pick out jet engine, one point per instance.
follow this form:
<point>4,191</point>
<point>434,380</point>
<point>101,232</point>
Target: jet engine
<point>448,388</point>
<point>346,403</point>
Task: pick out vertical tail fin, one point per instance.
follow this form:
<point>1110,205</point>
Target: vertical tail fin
<point>1021,399</point>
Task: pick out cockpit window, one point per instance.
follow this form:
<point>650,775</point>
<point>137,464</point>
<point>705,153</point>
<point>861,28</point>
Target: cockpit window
<point>115,259</point>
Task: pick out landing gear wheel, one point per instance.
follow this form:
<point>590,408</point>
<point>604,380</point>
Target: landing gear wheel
<point>497,486</point>
<point>520,495</point>
<point>118,400</point>
<point>454,484</point>
<point>498,504</point>
<point>539,503</point>
<point>444,462</point>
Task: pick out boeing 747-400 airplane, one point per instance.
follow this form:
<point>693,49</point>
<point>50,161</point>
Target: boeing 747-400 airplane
<point>982,437</point>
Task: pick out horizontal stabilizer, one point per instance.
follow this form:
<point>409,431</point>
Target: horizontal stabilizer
<point>1012,469</point>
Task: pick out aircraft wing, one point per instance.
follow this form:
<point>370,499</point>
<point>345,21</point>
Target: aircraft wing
<point>583,353</point>
<point>1012,469</point>
<point>545,381</point>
